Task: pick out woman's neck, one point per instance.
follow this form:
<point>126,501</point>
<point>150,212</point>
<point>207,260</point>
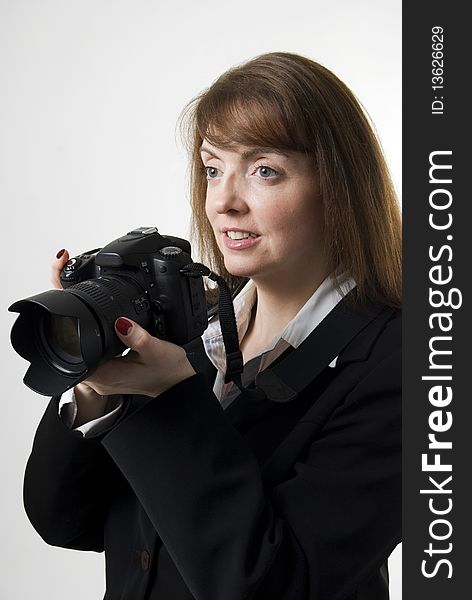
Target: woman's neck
<point>278,301</point>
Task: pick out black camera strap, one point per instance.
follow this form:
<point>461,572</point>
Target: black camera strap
<point>234,357</point>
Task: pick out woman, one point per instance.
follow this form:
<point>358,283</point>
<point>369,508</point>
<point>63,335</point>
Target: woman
<point>204,494</point>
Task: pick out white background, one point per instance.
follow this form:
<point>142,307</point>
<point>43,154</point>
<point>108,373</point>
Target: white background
<point>90,93</point>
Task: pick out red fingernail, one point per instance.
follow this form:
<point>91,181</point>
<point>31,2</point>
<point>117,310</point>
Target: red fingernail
<point>123,325</point>
<point>60,253</point>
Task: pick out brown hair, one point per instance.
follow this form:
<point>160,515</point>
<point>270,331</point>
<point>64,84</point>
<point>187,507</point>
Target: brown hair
<point>290,102</point>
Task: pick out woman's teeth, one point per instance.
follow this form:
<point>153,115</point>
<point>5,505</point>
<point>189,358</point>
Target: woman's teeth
<point>240,235</point>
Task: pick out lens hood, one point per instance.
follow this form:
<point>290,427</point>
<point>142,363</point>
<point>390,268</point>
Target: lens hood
<point>49,373</point>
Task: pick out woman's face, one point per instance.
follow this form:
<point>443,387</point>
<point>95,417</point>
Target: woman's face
<point>265,210</point>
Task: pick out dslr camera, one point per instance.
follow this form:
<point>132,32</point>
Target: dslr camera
<point>66,334</point>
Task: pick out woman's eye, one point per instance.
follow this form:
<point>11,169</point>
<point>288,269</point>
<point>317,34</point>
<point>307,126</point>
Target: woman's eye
<point>211,172</point>
<point>266,172</point>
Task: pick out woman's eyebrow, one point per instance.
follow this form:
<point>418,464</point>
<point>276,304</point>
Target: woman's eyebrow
<point>261,150</point>
<point>246,154</point>
<point>204,148</point>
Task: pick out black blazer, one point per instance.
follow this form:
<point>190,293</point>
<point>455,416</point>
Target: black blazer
<point>266,500</point>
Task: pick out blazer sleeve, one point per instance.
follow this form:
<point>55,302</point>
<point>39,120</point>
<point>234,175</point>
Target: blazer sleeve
<point>67,483</point>
<point>318,534</point>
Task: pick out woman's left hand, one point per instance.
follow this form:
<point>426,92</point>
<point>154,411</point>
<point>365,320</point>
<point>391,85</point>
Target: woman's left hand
<point>151,367</point>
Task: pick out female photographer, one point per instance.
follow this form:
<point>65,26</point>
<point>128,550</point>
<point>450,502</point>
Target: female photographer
<point>194,489</point>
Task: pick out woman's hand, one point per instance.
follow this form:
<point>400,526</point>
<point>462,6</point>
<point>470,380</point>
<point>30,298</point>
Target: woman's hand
<point>57,265</point>
<point>151,367</point>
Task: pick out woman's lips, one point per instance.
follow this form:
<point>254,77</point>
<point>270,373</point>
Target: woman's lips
<point>240,240</point>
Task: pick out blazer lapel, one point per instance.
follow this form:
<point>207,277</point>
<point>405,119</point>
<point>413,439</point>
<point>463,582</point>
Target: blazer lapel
<point>284,381</point>
<point>322,406</point>
<point>294,370</point>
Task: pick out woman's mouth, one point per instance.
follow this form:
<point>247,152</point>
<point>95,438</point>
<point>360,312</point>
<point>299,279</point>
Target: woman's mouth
<point>241,235</point>
<point>240,240</point>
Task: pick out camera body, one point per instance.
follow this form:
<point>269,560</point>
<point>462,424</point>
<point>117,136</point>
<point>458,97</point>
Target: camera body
<point>173,306</point>
<point>66,334</point>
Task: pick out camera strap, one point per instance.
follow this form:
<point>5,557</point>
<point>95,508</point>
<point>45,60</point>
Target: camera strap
<point>234,357</point>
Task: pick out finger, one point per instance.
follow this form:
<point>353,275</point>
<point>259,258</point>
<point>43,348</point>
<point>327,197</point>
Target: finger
<point>56,267</point>
<point>132,334</point>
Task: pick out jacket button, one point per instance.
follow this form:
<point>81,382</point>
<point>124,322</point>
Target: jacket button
<point>145,560</point>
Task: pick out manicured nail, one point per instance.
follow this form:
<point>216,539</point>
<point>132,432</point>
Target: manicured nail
<point>123,326</point>
<point>60,253</point>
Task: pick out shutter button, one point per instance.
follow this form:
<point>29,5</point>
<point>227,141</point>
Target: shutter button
<point>145,560</point>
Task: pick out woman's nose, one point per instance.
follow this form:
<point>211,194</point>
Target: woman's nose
<point>229,196</point>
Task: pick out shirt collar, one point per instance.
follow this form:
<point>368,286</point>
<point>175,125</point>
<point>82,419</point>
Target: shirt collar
<point>324,299</point>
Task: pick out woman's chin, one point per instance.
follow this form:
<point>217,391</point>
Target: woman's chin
<point>241,268</point>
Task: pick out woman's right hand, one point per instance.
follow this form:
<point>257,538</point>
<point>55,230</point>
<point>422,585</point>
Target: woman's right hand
<point>56,267</point>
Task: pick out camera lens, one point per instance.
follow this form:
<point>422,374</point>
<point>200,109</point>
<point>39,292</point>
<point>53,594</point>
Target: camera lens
<point>62,337</point>
<point>67,334</point>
